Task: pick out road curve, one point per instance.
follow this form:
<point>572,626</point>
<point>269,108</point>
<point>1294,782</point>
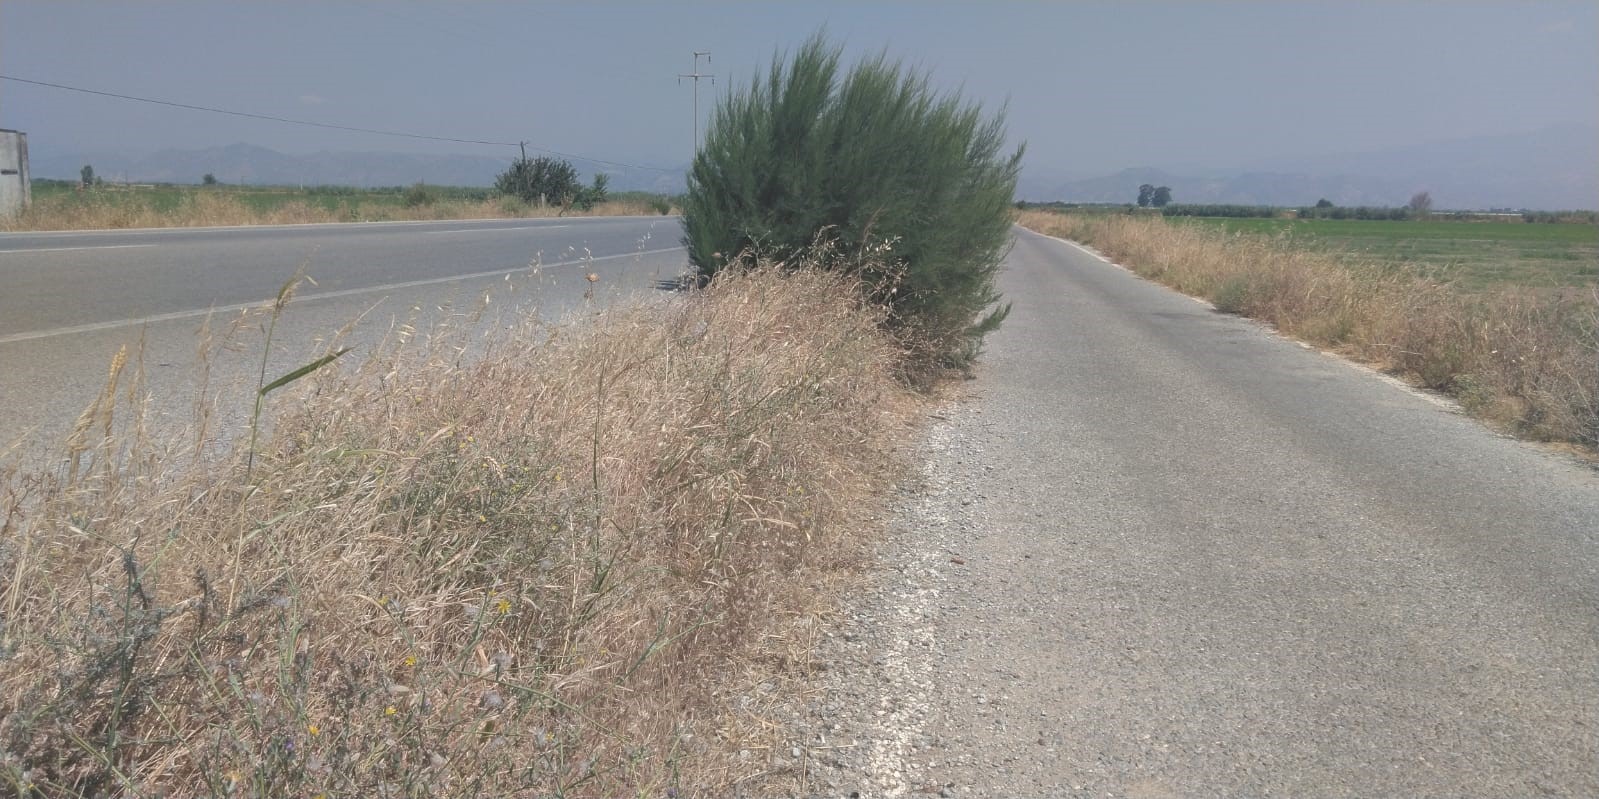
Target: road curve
<point>1166,552</point>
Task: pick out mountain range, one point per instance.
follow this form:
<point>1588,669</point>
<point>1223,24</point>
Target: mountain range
<point>1549,169</point>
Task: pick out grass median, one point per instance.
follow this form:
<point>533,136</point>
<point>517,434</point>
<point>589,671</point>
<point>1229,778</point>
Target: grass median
<point>1523,357</point>
<point>552,568</point>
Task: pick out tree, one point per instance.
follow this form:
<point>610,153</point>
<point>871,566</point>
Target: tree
<point>1146,193</point>
<point>208,180</point>
<point>1324,203</point>
<point>543,180</point>
<point>1160,197</point>
<point>86,175</point>
<point>1420,203</point>
<point>870,163</point>
<point>593,194</point>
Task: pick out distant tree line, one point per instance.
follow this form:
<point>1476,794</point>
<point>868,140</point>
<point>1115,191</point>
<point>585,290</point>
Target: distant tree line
<point>1223,210</point>
<point>1367,212</point>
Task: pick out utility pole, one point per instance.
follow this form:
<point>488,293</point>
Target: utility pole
<point>696,75</point>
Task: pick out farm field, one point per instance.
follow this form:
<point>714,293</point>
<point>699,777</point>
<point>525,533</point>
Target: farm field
<point>1472,255</point>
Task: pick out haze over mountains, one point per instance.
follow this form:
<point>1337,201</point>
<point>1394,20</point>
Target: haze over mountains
<point>1549,169</point>
<point>1553,168</point>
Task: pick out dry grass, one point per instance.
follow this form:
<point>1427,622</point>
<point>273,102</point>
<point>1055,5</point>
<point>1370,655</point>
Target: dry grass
<point>119,210</point>
<point>543,570</point>
<point>1523,359</point>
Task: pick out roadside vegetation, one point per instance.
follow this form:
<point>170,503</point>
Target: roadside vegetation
<point>1524,357</point>
<point>557,570</point>
<point>580,559</point>
<point>908,189</point>
<point>62,205</point>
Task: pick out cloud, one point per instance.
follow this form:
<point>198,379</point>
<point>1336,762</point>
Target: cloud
<point>314,99</point>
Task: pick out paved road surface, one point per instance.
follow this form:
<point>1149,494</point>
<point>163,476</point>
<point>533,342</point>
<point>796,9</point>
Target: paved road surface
<point>1164,552</point>
<point>68,301</point>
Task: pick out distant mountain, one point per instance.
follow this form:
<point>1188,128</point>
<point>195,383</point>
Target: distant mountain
<point>1554,168</point>
<point>247,163</point>
<point>1248,188</point>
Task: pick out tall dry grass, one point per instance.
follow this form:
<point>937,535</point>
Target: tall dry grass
<point>120,210</point>
<point>1526,360</point>
<point>542,570</point>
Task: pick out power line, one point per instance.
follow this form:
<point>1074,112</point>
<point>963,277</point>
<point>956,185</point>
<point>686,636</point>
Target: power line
<point>258,116</point>
<point>308,123</point>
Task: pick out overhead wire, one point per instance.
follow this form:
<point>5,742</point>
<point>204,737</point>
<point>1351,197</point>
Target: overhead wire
<point>328,125</point>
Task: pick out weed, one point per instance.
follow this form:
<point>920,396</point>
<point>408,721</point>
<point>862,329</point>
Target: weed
<point>543,571</point>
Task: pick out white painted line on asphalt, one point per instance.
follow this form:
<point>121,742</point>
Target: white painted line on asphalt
<point>324,295</point>
<point>69,249</point>
<point>493,229</point>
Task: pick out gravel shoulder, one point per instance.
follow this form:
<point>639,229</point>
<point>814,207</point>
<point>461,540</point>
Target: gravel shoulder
<point>1158,551</point>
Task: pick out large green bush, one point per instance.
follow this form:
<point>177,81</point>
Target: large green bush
<point>863,162</point>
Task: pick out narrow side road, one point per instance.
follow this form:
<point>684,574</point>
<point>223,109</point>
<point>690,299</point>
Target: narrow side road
<point>1161,551</point>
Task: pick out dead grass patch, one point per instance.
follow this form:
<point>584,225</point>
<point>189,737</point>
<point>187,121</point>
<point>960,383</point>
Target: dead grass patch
<point>546,569</point>
<point>120,210</point>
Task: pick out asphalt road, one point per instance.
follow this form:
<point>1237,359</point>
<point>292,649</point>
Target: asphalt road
<point>69,301</point>
<point>1165,552</point>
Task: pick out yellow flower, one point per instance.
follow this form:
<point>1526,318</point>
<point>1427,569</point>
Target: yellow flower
<point>503,606</point>
<point>389,711</point>
<point>313,729</point>
<point>410,660</point>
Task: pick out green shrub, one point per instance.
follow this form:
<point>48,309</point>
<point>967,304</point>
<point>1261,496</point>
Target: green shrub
<point>864,163</point>
<point>419,195</point>
<point>1232,296</point>
<point>540,181</point>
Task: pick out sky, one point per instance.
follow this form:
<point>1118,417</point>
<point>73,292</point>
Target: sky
<point>1091,87</point>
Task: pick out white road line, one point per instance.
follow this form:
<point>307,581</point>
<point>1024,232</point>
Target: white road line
<point>493,229</point>
<point>69,249</point>
<point>226,309</point>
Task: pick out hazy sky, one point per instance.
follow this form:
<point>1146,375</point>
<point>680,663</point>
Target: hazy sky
<point>1092,87</point>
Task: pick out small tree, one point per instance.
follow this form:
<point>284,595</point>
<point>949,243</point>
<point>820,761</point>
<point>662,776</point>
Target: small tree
<point>1146,194</point>
<point>86,175</point>
<point>208,180</point>
<point>543,180</point>
<point>1160,197</point>
<point>1324,203</point>
<point>594,193</point>
<point>1420,203</point>
<point>867,163</point>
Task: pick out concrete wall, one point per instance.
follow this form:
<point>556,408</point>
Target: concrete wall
<point>16,190</point>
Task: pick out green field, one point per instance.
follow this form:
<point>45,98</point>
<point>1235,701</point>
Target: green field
<point>165,198</point>
<point>1473,255</point>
